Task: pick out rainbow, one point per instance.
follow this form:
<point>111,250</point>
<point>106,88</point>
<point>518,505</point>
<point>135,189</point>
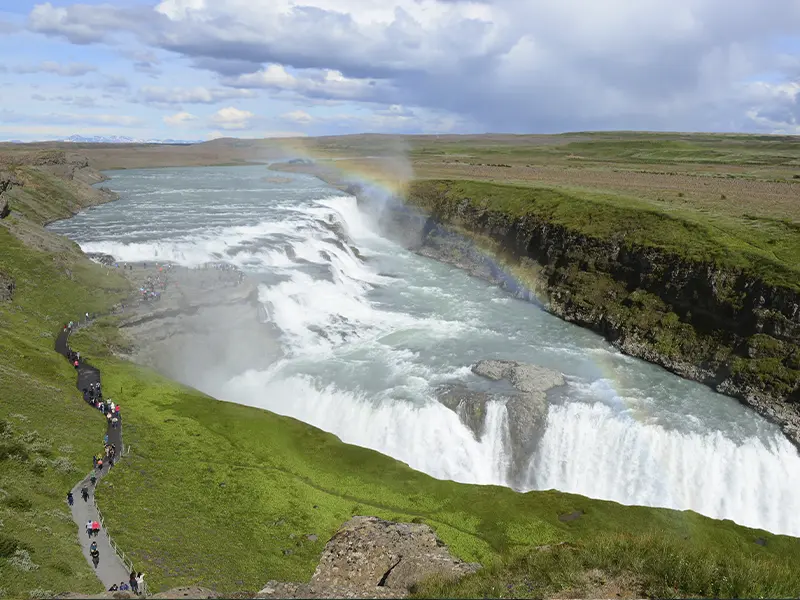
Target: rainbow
<point>390,177</point>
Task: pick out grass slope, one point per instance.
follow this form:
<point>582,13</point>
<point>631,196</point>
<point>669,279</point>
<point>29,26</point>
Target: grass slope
<point>47,433</point>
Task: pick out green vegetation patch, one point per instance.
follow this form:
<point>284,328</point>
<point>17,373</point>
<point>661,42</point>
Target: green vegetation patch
<point>47,433</point>
<point>767,248</point>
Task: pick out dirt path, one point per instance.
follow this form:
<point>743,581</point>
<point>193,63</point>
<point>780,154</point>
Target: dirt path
<point>111,569</point>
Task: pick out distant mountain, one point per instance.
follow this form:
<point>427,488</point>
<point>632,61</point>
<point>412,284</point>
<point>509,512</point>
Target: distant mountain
<point>120,139</point>
<point>99,139</point>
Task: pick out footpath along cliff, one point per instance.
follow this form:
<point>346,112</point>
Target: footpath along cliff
<point>659,287</point>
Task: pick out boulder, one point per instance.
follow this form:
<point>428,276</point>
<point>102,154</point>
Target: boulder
<point>7,287</point>
<point>372,558</point>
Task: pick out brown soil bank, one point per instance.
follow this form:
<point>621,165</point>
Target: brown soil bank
<point>716,302</point>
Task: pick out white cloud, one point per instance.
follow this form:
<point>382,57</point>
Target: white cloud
<point>314,83</point>
<point>394,119</point>
<point>194,95</point>
<point>178,119</point>
<point>298,116</point>
<point>231,118</point>
<point>49,66</point>
<point>550,65</point>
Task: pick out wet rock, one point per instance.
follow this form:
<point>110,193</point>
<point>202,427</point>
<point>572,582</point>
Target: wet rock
<point>469,405</point>
<point>356,252</point>
<point>566,518</point>
<point>103,259</point>
<point>527,411</point>
<point>524,377</point>
<point>372,558</point>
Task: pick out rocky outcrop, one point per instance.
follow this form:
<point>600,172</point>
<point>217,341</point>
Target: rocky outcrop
<point>469,405</point>
<point>372,558</point>
<point>531,379</point>
<point>7,182</point>
<point>527,411</point>
<point>7,287</point>
<point>728,329</point>
<point>526,406</point>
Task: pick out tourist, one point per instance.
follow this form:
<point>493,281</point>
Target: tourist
<point>99,464</point>
<point>89,528</point>
<point>114,422</point>
<point>105,438</point>
<point>93,478</point>
<point>124,587</point>
<point>96,528</point>
<point>134,583</point>
<point>140,581</point>
<point>85,494</point>
<point>70,499</point>
<point>113,588</point>
<point>95,557</point>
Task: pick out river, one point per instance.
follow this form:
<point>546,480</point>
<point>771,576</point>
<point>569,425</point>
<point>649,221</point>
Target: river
<point>366,340</point>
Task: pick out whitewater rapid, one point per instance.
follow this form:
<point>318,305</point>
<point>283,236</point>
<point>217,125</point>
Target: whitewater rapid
<point>371,331</point>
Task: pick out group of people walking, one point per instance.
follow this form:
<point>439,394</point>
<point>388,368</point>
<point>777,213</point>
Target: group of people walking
<point>93,395</point>
<point>134,584</point>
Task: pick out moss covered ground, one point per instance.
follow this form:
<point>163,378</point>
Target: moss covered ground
<point>226,495</point>
<point>767,248</point>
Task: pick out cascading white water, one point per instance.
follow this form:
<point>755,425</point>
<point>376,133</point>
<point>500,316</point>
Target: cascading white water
<point>589,449</point>
<point>368,342</point>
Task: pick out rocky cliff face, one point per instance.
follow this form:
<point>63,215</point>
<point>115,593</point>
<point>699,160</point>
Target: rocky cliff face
<point>7,181</point>
<point>730,330</point>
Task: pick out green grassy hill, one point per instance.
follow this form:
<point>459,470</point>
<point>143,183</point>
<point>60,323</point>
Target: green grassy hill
<point>225,495</point>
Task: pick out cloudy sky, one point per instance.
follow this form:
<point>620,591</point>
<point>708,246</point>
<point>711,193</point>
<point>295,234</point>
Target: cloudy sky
<point>198,69</point>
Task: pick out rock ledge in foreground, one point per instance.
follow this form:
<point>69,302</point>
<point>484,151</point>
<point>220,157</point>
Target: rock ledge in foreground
<point>372,558</point>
